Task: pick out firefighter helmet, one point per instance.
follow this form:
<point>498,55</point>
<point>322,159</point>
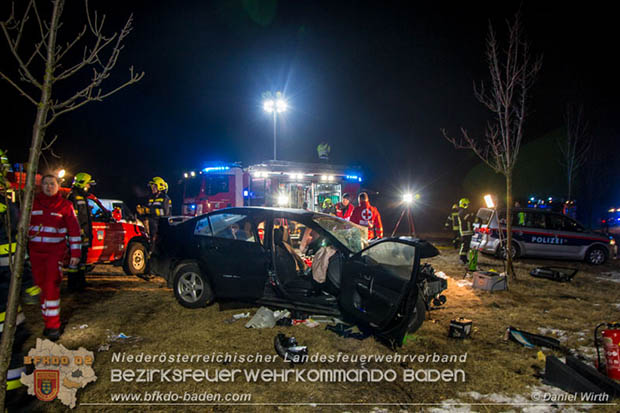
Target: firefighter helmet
<point>81,179</point>
<point>464,202</point>
<point>159,183</point>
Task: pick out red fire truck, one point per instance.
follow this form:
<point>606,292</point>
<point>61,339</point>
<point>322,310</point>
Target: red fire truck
<point>270,183</point>
<point>117,242</point>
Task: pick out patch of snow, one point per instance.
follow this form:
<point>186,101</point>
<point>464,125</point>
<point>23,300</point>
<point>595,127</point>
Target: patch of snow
<point>451,406</point>
<point>611,276</point>
<point>560,334</point>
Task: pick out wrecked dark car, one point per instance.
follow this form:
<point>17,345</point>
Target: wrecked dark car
<point>299,260</point>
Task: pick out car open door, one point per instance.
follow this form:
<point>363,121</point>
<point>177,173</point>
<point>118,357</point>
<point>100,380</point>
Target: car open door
<point>379,286</point>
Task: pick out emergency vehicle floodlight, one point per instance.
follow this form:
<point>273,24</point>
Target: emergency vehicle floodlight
<point>193,173</point>
<point>268,105</point>
<point>282,200</point>
<point>408,198</point>
<point>186,175</point>
<point>61,173</point>
<point>488,199</point>
<point>281,105</point>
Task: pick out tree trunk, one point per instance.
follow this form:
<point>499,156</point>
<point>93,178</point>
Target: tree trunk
<point>38,132</point>
<point>508,249</point>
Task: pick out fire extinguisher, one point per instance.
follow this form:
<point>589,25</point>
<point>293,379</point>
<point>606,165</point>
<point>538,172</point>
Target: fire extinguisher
<point>610,339</point>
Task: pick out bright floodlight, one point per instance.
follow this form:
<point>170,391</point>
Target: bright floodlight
<point>408,198</point>
<point>488,199</point>
<point>61,173</point>
<point>186,175</point>
<point>269,105</point>
<point>281,105</point>
<point>193,173</point>
<point>282,200</point>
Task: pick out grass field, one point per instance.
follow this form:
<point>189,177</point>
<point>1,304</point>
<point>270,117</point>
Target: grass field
<point>499,375</point>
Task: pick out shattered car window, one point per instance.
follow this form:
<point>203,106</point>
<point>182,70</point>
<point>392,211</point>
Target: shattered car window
<point>352,236</point>
<point>396,257</point>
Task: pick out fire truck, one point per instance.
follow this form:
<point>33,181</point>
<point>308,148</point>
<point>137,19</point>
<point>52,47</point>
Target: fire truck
<point>121,242</point>
<point>269,183</point>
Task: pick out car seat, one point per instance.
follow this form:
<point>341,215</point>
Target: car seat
<point>289,266</point>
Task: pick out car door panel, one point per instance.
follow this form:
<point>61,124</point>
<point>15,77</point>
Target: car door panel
<point>373,288</point>
<point>237,268</point>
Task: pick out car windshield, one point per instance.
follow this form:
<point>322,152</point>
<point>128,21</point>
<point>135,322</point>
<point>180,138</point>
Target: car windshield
<point>352,236</point>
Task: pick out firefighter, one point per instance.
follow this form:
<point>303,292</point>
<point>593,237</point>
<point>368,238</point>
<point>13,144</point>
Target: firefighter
<point>452,222</point>
<point>30,292</point>
<point>8,233</point>
<point>52,220</point>
<point>158,205</point>
<point>79,198</point>
<point>368,216</point>
<point>345,208</point>
<point>465,220</point>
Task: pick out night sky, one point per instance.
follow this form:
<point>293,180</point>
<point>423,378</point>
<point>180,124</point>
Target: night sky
<point>376,80</point>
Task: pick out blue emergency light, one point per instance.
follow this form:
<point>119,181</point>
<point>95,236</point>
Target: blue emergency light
<point>353,178</point>
<point>216,168</point>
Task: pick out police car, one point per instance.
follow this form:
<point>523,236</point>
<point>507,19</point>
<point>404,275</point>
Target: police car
<point>539,233</point>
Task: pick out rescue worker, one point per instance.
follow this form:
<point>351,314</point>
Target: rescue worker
<point>328,207</point>
<point>345,208</point>
<point>30,292</point>
<point>465,220</point>
<point>452,222</point>
<point>158,205</point>
<point>79,198</point>
<point>9,212</point>
<point>52,220</point>
<point>368,216</point>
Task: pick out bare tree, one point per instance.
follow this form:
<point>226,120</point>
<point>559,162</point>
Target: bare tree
<point>39,69</point>
<point>512,72</point>
<point>575,146</point>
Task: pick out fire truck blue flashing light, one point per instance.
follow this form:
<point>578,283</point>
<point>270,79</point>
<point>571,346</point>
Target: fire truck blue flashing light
<point>353,178</point>
<point>216,169</point>
<point>246,193</point>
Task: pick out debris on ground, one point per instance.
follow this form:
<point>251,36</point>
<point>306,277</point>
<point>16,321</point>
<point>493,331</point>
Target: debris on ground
<point>237,317</point>
<point>289,349</point>
<point>347,331</point>
<point>82,327</point>
<point>559,274</point>
<point>266,318</point>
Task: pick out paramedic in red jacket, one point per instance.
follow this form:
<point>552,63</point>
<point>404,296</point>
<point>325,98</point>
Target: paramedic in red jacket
<point>52,221</point>
<point>368,216</point>
<point>344,208</point>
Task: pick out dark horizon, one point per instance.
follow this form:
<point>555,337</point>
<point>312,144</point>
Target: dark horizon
<point>378,84</point>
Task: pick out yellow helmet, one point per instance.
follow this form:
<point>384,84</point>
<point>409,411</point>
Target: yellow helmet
<point>80,180</point>
<point>464,202</point>
<point>160,183</point>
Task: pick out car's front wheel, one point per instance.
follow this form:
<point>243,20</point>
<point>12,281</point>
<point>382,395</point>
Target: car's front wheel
<point>191,287</point>
<point>135,259</point>
<point>514,251</point>
<point>596,256</point>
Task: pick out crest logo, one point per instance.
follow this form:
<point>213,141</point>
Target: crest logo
<point>46,384</point>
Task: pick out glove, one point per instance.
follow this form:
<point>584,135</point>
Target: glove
<point>140,210</point>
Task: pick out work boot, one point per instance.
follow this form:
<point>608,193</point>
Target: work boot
<point>52,334</point>
<point>463,259</point>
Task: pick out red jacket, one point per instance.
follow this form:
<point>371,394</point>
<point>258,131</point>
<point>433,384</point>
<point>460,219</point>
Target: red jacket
<point>344,212</point>
<point>367,215</point>
<point>53,220</point>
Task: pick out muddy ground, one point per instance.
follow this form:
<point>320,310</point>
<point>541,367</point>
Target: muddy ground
<point>499,375</point>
